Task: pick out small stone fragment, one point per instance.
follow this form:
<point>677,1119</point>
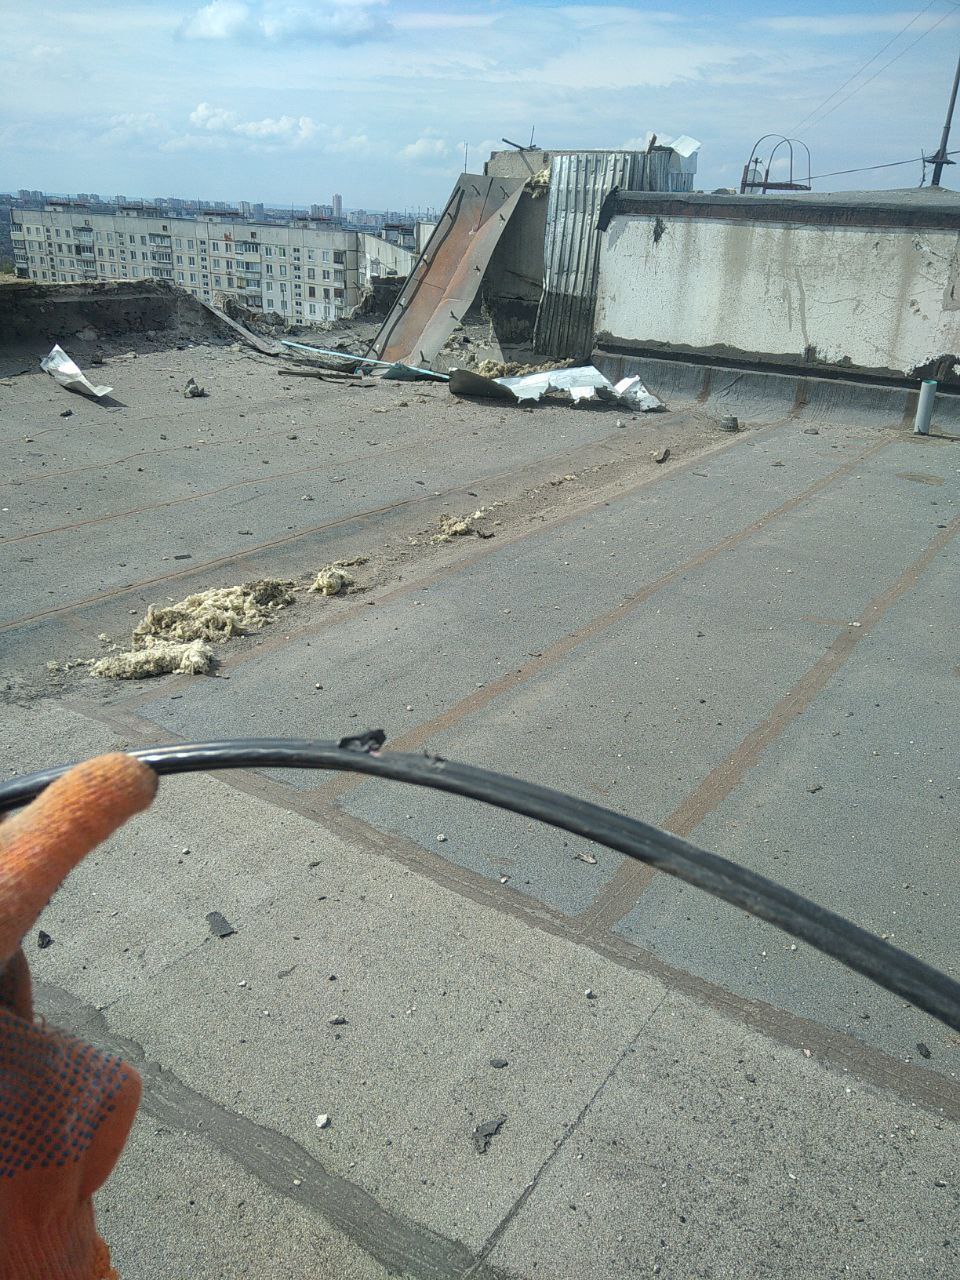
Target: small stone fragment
<point>220,926</point>
<point>498,1063</point>
<point>923,1051</point>
<point>323,1121</point>
<point>484,1133</point>
<point>44,940</point>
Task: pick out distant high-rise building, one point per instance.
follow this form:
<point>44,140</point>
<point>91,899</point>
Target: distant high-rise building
<point>337,206</point>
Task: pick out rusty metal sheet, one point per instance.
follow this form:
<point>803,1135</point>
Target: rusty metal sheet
<point>447,275</point>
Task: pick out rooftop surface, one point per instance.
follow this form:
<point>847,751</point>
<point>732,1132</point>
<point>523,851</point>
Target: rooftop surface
<point>748,644</point>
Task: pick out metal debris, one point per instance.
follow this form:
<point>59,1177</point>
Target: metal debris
<point>220,926</point>
<point>483,1134</point>
<point>662,456</point>
<point>60,367</point>
<point>586,857</point>
<point>730,423</point>
<point>578,385</point>
<point>193,390</point>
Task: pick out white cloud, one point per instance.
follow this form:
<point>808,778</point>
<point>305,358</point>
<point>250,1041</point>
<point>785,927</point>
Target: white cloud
<point>850,24</point>
<point>275,21</point>
<point>289,131</point>
<point>221,20</point>
<point>426,149</point>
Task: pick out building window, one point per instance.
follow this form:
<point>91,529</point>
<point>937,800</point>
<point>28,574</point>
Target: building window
<point>326,275</point>
<point>339,256</point>
<point>180,259</point>
<point>193,277</point>
<point>269,268</point>
<point>217,264</point>
<point>193,262</point>
<point>311,292</point>
<point>179,243</point>
<point>143,239</point>
<point>313,308</point>
<point>326,293</point>
<point>283,271</point>
<point>326,255</point>
<point>311,273</point>
<point>179,275</point>
<point>215,246</point>
<point>216,281</point>
<point>281,251</point>
<point>189,244</point>
<point>338,275</point>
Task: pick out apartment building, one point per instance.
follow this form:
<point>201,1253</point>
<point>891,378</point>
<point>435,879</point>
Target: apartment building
<point>302,270</point>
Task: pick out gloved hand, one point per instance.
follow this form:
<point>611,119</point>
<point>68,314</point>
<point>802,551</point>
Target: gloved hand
<point>65,1108</point>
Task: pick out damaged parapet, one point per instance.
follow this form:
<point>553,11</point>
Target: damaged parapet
<point>540,288</point>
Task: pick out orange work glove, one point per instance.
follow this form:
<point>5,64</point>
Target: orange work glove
<point>65,1108</point>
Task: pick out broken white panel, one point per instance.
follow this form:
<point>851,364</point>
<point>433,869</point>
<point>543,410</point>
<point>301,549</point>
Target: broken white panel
<point>582,383</point>
<point>685,146</point>
<point>633,393</point>
<point>59,365</point>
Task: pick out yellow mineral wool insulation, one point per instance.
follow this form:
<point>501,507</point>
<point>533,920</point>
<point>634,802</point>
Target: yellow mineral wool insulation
<point>157,658</point>
<point>217,614</point>
<point>333,578</point>
<point>496,369</point>
<point>451,527</point>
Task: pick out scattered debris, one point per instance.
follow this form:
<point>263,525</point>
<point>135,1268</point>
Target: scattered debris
<point>156,657</point>
<point>331,581</point>
<point>508,369</point>
<point>498,1063</point>
<point>811,431</point>
<point>338,1022</point>
<point>586,857</point>
<point>484,1133</point>
<point>44,940</point>
<point>730,423</point>
<point>590,993</point>
<point>323,1121</point>
<point>923,1051</point>
<point>441,838</point>
<point>817,786</point>
<point>60,367</point>
<point>193,390</point>
<point>333,578</point>
<point>572,385</point>
<point>67,413</point>
<point>451,527</point>
<point>662,456</point>
<point>177,637</point>
<point>217,614</point>
<point>635,395</point>
<point>220,926</point>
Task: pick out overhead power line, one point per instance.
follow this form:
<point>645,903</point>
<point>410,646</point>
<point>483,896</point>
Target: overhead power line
<point>860,70</point>
<point>913,43</point>
<point>893,164</point>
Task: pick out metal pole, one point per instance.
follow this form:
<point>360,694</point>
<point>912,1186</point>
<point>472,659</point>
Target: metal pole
<point>940,159</point>
<point>921,423</point>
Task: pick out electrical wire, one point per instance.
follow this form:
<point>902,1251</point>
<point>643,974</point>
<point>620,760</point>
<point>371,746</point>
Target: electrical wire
<point>894,164</point>
<point>888,966</point>
<point>860,70</point>
<point>886,65</point>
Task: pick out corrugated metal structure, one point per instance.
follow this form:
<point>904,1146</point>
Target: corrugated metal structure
<point>580,181</point>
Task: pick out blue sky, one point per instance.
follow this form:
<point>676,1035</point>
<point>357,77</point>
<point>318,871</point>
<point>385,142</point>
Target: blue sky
<point>291,100</point>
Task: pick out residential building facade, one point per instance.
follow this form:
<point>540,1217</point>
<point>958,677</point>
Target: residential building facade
<point>303,271</point>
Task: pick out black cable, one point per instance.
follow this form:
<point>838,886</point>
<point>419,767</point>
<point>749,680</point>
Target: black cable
<point>888,966</point>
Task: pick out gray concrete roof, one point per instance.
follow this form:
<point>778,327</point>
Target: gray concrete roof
<point>748,644</point>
